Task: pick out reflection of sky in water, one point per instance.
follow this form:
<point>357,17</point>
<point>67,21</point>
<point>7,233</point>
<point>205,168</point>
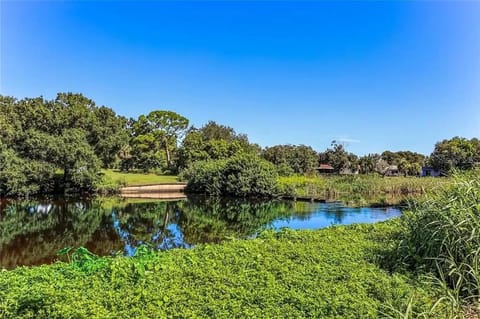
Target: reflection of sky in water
<point>323,215</point>
<point>311,216</point>
<point>124,235</point>
<point>171,237</point>
<point>175,240</point>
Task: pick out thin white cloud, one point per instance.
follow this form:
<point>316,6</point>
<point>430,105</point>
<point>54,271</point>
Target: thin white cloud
<point>347,140</point>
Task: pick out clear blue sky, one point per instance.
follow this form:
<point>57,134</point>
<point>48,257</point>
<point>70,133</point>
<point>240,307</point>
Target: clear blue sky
<point>383,75</point>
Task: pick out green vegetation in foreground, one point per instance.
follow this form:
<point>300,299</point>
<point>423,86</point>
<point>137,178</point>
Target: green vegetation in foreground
<point>423,265</point>
<point>329,273</point>
<point>441,234</point>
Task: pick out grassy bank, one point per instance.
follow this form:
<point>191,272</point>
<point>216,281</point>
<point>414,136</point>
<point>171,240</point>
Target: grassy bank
<point>359,189</point>
<point>113,180</point>
<point>330,273</point>
<point>135,179</point>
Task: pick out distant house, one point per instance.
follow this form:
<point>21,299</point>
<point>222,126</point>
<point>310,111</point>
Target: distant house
<point>349,171</point>
<point>391,170</point>
<point>430,171</point>
<point>325,169</point>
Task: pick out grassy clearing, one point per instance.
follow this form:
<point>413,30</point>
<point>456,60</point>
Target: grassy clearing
<point>329,273</point>
<point>113,180</point>
<point>135,179</point>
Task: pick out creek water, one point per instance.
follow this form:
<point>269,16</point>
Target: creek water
<point>33,231</point>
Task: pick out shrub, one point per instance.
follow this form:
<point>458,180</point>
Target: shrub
<point>205,177</point>
<point>241,175</point>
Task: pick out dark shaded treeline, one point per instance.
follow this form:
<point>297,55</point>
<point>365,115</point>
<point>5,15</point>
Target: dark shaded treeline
<point>60,145</point>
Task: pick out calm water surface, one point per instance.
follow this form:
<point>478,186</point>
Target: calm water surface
<point>33,231</point>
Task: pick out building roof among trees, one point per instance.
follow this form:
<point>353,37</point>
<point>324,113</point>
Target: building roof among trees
<point>325,166</point>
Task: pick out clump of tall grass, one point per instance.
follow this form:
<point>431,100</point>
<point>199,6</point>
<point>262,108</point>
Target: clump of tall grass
<point>358,190</point>
<point>441,235</point>
<point>301,186</point>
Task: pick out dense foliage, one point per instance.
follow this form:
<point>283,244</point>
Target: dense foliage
<point>61,143</point>
<point>212,142</point>
<point>442,235</point>
<point>292,159</point>
<point>328,273</point>
<point>154,139</point>
<point>240,175</point>
<point>456,153</point>
<point>408,163</point>
<point>341,160</point>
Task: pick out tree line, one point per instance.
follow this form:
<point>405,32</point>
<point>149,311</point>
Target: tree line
<point>61,145</point>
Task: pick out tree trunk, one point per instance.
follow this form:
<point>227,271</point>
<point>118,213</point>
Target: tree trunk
<point>167,152</point>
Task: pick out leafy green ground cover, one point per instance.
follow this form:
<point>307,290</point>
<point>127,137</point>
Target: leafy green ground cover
<point>329,273</point>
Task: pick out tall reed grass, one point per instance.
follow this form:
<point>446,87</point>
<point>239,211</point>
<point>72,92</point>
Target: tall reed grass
<point>358,189</point>
<point>441,235</point>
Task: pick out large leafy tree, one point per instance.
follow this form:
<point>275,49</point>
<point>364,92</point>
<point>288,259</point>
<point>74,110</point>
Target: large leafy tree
<point>408,163</point>
<point>299,159</point>
<point>212,142</point>
<point>41,139</point>
<point>77,159</point>
<point>153,141</point>
<point>105,131</point>
<point>456,153</point>
<point>108,136</point>
<point>169,127</point>
<point>339,158</point>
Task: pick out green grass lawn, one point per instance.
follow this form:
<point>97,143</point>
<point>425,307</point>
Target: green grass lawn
<point>136,179</point>
<point>329,273</point>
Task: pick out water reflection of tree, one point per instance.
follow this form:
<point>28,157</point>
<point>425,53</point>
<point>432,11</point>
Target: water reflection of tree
<point>33,231</point>
<point>147,223</point>
<point>214,219</point>
<point>167,225</point>
<point>336,214</point>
